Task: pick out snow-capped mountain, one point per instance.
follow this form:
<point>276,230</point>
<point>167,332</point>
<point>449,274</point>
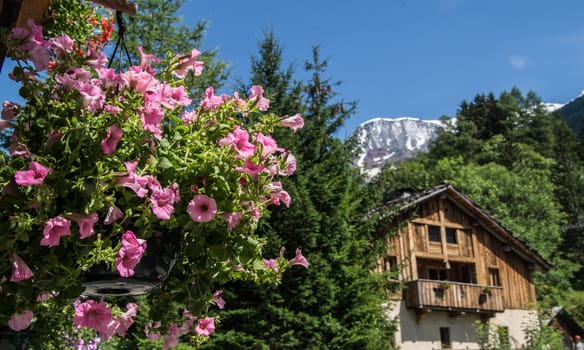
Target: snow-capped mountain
<point>385,140</point>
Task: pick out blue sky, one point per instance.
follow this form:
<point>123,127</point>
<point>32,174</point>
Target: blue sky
<point>417,58</point>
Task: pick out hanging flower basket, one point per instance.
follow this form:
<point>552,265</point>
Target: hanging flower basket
<point>152,269</point>
<point>94,152</point>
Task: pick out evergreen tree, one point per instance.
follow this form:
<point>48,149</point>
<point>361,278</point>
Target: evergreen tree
<point>336,303</point>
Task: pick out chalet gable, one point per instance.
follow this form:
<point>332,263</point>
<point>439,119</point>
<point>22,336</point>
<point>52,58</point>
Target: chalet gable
<point>423,205</point>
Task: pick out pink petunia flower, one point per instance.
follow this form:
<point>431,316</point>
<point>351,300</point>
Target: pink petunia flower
<point>151,334</point>
<point>299,259</point>
<point>232,219</point>
<point>218,300</point>
<point>18,322</point>
<point>162,200</point>
<point>187,63</point>
<point>269,145</point>
<point>92,95</point>
<point>129,254</point>
<point>211,101</point>
<point>20,271</point>
<point>151,116</point>
<point>188,117</point>
<point>54,229</point>
<point>257,95</point>
<point>112,215</point>
<point>147,58</point>
<point>278,194</point>
<point>271,264</point>
<point>202,208</point>
<point>171,337</point>
<point>94,315</point>
<point>9,110</point>
<point>294,122</point>
<point>205,326</point>
<point>136,183</point>
<point>110,142</point>
<point>35,175</point>
<point>85,222</point>
<point>239,140</point>
<point>61,45</point>
<point>250,168</point>
<point>290,164</point>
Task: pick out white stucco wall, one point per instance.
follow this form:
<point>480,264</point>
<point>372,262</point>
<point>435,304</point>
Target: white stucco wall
<point>426,334</point>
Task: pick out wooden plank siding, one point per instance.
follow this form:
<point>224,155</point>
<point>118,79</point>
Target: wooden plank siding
<point>430,294</point>
<point>476,260</point>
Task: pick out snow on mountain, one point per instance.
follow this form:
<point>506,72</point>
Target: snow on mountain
<point>385,140</point>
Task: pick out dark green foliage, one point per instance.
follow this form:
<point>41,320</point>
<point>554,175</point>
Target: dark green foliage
<point>573,113</point>
<point>519,163</point>
<point>336,302</point>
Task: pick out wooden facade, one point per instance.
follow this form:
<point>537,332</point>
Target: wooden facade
<point>449,242</point>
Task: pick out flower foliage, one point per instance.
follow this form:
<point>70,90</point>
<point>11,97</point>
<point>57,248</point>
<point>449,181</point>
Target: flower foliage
<point>101,159</point>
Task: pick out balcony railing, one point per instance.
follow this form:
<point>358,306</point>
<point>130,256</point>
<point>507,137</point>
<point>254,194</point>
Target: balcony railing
<point>454,296</point>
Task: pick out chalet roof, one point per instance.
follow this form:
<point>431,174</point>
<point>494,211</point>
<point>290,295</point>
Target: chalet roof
<point>408,199</point>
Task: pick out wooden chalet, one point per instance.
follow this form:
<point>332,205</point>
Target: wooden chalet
<point>459,265</point>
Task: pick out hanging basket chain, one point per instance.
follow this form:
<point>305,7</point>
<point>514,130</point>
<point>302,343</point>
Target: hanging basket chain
<point>120,42</point>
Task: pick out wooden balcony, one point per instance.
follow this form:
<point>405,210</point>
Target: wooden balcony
<point>463,297</point>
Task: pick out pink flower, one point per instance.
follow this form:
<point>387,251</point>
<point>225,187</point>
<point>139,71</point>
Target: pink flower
<point>151,117</point>
<point>188,117</point>
<point>147,59</point>
<point>257,94</point>
<point>130,254</point>
<point>35,175</point>
<point>148,330</point>
<point>278,194</point>
<point>205,326</point>
<point>114,135</point>
<point>9,110</point>
<point>39,56</point>
<point>271,264</point>
<point>290,164</point>
<point>294,122</point>
<point>20,271</point>
<point>180,97</point>
<point>92,95</point>
<point>135,182</point>
<point>187,63</point>
<point>202,208</point>
<point>54,229</point>
<point>211,102</point>
<point>126,319</point>
<point>171,338</point>
<point>61,45</point>
<point>239,140</point>
<point>250,168</point>
<point>112,215</point>
<point>18,322</point>
<point>139,80</point>
<point>233,219</point>
<point>268,143</point>
<point>85,223</point>
<point>162,200</point>
<point>95,59</point>
<point>299,259</point>
<point>218,300</point>
<point>92,314</point>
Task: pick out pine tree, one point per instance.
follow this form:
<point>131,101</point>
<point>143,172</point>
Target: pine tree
<point>336,303</point>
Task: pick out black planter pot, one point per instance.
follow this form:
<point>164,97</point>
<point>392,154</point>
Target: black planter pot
<point>154,267</point>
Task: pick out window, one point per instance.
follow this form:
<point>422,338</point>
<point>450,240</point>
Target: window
<point>436,274</point>
<point>445,337</point>
<point>434,233</point>
<point>451,235</point>
<point>494,277</point>
<point>388,262</point>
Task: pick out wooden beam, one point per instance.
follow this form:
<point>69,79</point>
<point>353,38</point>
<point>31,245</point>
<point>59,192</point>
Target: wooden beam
<point>125,6</point>
<point>31,9</point>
